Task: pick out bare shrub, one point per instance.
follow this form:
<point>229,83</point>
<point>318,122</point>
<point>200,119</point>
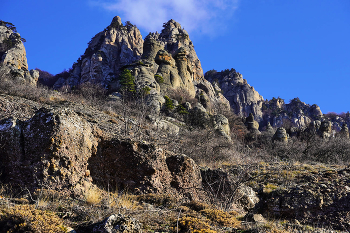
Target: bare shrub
<point>181,95</point>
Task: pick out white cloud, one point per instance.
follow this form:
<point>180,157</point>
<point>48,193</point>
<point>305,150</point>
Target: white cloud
<point>202,16</point>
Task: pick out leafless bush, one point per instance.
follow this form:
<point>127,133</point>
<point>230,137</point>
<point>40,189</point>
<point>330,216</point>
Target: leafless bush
<point>181,95</point>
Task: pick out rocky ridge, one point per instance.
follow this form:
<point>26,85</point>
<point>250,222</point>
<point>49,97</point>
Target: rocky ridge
<point>163,62</point>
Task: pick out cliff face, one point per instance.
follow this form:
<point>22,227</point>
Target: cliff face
<point>244,99</point>
<point>13,60</point>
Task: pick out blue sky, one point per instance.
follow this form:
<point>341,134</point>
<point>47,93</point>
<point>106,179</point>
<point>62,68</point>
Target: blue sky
<point>285,48</point>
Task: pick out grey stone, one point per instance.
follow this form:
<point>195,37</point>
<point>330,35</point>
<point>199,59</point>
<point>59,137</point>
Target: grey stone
<point>118,223</point>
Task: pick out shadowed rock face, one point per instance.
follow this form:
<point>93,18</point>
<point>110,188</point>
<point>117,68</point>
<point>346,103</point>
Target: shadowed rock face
<point>13,59</point>
<point>65,150</point>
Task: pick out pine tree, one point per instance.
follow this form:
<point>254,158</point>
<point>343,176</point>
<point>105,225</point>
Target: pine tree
<point>127,82</point>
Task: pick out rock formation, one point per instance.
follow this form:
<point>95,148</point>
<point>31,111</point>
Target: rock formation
<point>66,151</point>
<point>163,62</point>
<point>294,114</point>
<point>243,98</point>
<point>13,60</point>
<point>252,125</point>
<point>280,135</point>
<point>269,130</point>
<point>325,130</point>
<point>108,51</point>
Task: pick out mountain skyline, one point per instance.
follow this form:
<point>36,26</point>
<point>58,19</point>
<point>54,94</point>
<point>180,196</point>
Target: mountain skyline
<point>283,49</point>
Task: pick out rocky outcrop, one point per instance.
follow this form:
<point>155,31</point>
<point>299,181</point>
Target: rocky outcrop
<point>13,60</point>
<point>325,130</point>
<point>280,135</point>
<point>108,51</point>
<point>294,114</point>
<point>322,200</point>
<point>243,98</point>
<point>221,125</point>
<point>252,125</point>
<point>344,132</point>
<point>66,150</point>
<point>269,131</point>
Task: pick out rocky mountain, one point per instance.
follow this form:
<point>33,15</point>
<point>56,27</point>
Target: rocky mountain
<point>107,164</point>
<point>13,59</point>
<point>164,62</point>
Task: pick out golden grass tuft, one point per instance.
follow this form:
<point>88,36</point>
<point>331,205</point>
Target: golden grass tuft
<point>93,196</point>
<point>124,200</point>
<point>227,219</point>
<point>25,218</point>
<point>193,224</point>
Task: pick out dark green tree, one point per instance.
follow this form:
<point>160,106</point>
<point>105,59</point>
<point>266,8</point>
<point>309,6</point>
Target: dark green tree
<point>168,103</point>
<point>127,82</point>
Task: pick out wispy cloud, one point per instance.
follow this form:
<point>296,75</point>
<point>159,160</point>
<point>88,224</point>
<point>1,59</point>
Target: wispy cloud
<point>202,16</point>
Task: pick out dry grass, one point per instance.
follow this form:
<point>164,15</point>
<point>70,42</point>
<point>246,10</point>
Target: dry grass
<point>23,218</point>
<point>93,196</point>
<point>124,201</point>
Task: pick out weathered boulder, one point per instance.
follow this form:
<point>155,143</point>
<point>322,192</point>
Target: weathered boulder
<point>198,116</point>
<point>45,149</point>
<point>13,59</point>
<point>221,125</point>
<point>280,135</point>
